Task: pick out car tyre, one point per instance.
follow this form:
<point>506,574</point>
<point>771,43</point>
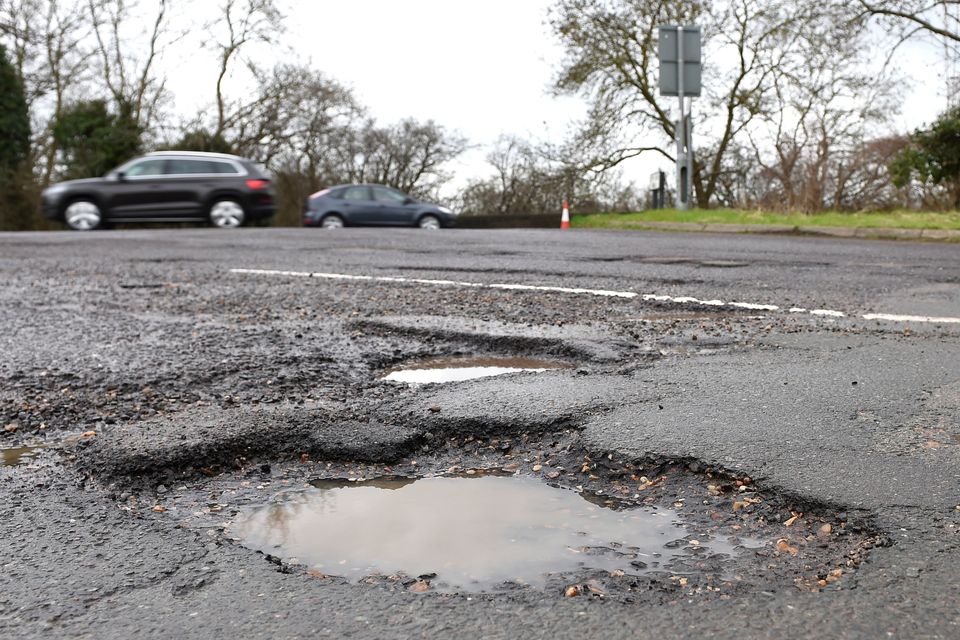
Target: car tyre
<point>429,222</point>
<point>332,221</point>
<point>83,215</point>
<point>227,213</point>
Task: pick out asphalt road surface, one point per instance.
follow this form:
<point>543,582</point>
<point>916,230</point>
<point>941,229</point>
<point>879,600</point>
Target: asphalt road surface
<point>154,383</point>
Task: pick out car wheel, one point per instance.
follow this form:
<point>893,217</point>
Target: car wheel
<point>429,222</point>
<point>332,221</point>
<point>227,214</point>
<point>83,215</point>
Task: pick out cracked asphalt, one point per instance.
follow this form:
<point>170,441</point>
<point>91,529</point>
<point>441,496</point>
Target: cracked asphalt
<point>167,392</point>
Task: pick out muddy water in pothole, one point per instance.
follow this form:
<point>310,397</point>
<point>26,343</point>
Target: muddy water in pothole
<point>456,369</point>
<point>474,533</point>
<point>20,455</point>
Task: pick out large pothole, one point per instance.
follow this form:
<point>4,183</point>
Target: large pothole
<point>477,532</point>
<point>703,514</point>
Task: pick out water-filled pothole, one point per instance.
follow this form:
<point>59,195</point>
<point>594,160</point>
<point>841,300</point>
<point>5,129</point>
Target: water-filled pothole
<point>18,455</point>
<point>456,369</point>
<point>474,533</point>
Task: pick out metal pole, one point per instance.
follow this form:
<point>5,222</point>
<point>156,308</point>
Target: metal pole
<point>681,129</point>
<point>688,136</point>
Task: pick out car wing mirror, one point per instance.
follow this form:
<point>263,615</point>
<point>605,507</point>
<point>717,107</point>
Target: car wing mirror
<point>121,176</point>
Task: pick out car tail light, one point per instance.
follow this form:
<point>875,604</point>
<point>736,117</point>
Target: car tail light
<point>320,193</point>
<point>258,184</point>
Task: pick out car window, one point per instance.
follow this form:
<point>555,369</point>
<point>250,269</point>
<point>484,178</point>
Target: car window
<point>222,167</point>
<point>183,166</point>
<point>145,169</point>
<point>356,193</point>
<point>381,194</point>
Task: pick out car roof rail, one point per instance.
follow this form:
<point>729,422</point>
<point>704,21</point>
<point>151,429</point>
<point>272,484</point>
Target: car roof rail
<point>202,154</point>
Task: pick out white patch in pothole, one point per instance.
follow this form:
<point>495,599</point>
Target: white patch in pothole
<point>442,370</point>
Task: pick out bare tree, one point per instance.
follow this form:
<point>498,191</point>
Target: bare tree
<point>241,23</point>
<point>749,45</point>
<point>526,180</point>
<point>128,62</point>
<point>523,181</point>
<point>291,116</point>
<point>47,40</point>
<point>294,122</point>
<point>868,186</point>
<point>938,17</point>
<point>937,20</point>
<point>808,146</point>
<point>411,156</point>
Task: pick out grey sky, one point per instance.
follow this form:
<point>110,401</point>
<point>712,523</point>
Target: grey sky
<point>482,68</point>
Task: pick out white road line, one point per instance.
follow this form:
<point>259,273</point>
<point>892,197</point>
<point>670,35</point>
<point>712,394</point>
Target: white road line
<point>592,292</point>
<point>754,307</point>
<point>682,300</point>
<point>897,318</point>
<point>830,313</point>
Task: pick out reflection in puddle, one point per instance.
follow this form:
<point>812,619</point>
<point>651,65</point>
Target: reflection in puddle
<point>456,369</point>
<point>474,533</point>
<point>20,455</point>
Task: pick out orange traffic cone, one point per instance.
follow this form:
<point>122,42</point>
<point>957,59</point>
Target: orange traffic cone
<point>565,218</point>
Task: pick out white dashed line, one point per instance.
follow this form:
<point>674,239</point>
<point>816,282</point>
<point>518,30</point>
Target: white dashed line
<point>754,307</point>
<point>650,297</point>
<point>592,292</point>
<point>828,312</point>
<point>896,318</point>
<point>682,300</point>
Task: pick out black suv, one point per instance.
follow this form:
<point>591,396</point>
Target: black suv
<point>167,186</point>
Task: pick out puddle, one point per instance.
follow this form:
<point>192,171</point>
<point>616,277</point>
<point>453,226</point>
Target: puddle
<point>20,455</point>
<point>474,533</point>
<point>456,369</point>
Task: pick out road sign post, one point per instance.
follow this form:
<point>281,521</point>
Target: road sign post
<point>680,62</point>
<point>658,190</point>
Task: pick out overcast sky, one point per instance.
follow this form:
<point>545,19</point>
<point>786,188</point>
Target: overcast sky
<point>481,68</point>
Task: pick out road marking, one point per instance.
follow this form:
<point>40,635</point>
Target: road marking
<point>649,297</point>
<point>754,307</point>
<point>828,312</point>
<point>592,292</point>
<point>896,318</point>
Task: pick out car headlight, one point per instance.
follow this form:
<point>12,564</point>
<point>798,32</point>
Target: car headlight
<point>444,210</point>
<point>54,189</point>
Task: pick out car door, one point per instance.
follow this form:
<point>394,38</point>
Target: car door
<point>393,207</point>
<point>137,192</point>
<point>190,180</point>
<point>358,205</point>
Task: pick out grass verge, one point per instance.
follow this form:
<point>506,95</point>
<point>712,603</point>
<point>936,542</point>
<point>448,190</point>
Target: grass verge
<point>887,220</point>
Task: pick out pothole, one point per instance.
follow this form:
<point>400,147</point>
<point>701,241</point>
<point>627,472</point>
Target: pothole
<point>470,534</point>
<point>439,370</point>
<point>703,513</point>
<point>19,455</point>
